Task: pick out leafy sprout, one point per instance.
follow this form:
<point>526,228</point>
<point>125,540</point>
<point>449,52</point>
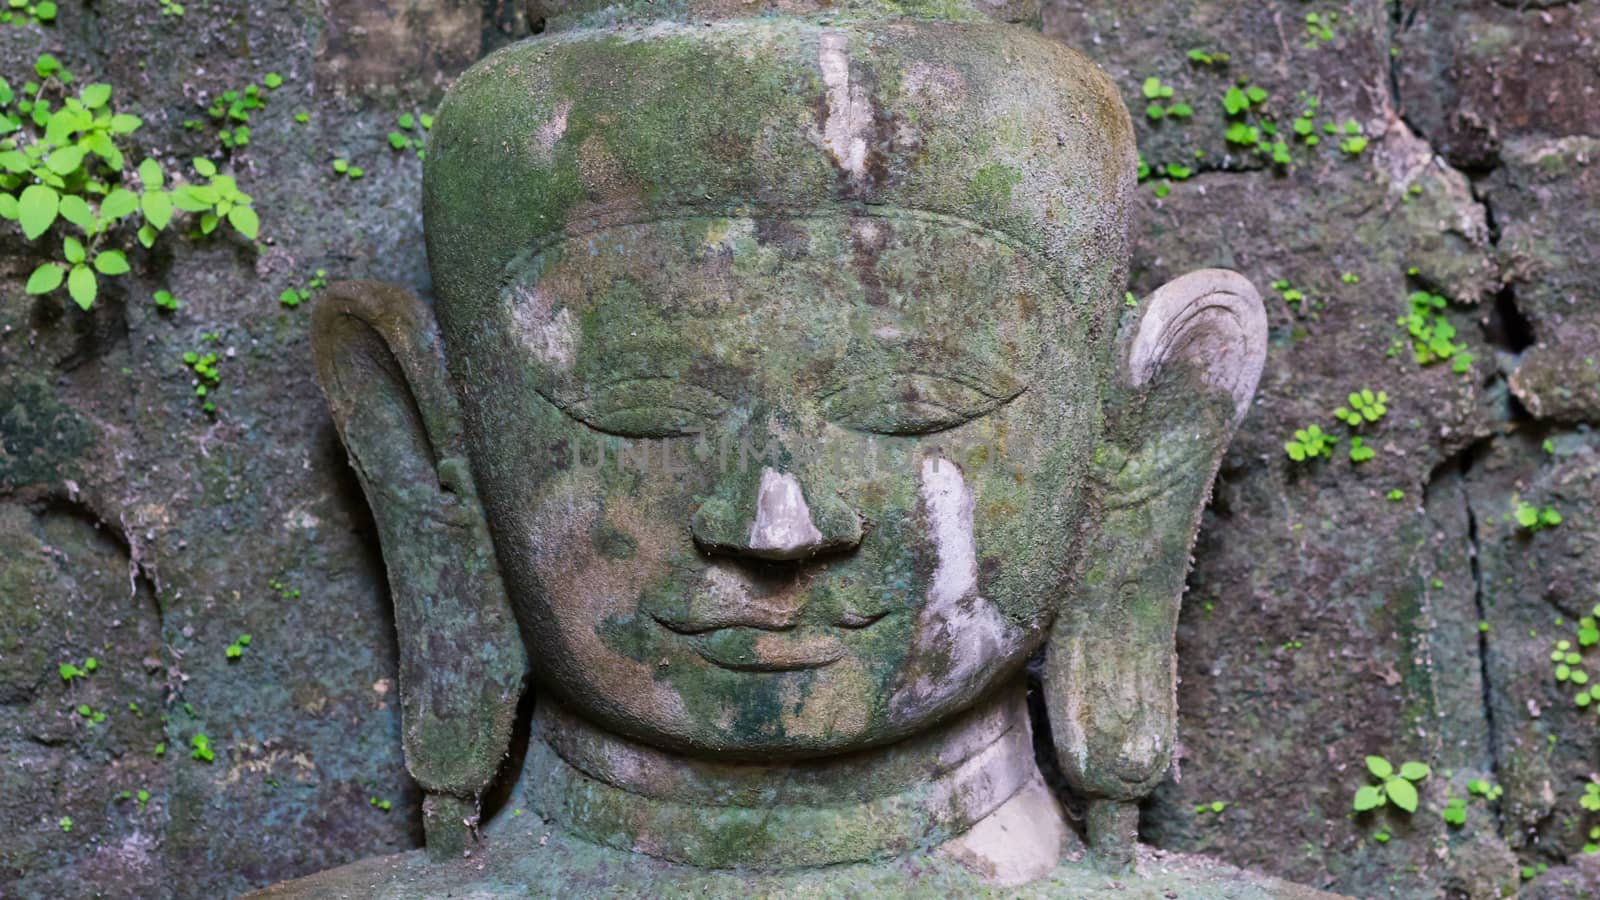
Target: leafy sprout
<point>1310,442</point>
<point>1365,406</point>
<point>1534,518</point>
<point>1394,787</point>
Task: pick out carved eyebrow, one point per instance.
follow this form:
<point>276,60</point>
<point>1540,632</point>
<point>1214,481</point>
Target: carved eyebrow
<point>1005,388</point>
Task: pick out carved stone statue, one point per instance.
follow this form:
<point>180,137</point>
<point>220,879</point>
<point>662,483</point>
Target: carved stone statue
<point>779,402</point>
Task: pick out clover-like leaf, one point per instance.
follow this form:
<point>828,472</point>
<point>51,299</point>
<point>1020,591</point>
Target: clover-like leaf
<point>1401,793</point>
<point>1368,797</point>
<point>1412,770</point>
<point>1379,767</point>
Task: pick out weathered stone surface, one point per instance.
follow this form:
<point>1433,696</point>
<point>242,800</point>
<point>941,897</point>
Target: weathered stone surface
<point>1473,74</point>
<point>101,400</point>
<point>1546,195</point>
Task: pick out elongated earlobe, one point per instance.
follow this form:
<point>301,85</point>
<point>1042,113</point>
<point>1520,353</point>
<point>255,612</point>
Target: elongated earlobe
<point>461,659</point>
<point>1111,668</point>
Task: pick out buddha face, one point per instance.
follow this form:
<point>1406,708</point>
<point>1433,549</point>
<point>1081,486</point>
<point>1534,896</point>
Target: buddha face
<point>778,486</point>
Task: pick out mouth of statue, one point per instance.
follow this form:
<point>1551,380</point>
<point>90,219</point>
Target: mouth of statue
<point>752,648</point>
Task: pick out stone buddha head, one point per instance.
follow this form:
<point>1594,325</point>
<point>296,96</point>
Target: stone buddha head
<point>780,400</point>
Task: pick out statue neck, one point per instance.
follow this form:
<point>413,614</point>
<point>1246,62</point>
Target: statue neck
<point>872,804</point>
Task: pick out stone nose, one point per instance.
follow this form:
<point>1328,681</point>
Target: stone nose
<point>778,522</point>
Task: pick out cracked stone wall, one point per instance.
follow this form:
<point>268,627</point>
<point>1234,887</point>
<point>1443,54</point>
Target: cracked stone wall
<point>1325,621</point>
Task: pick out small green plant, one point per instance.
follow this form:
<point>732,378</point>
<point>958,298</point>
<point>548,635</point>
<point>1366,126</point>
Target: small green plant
<point>293,296</point>
<point>165,301</point>
<point>1396,495</point>
<point>206,376</point>
<point>1204,57</point>
<point>380,804</point>
<point>1432,336</point>
<point>1215,806</point>
<point>287,593</point>
<point>1319,27</point>
<point>1455,812</point>
<point>21,12</point>
<point>217,200</point>
<point>94,716</point>
<point>1289,294</point>
<point>1309,443</point>
<point>1479,787</point>
<point>1365,406</point>
<point>236,649</point>
<point>1355,142</point>
<point>171,8</point>
<point>230,112</point>
<point>402,139</point>
<point>200,748</point>
<point>1534,518</point>
<point>1359,452</point>
<point>341,166</point>
<point>68,671</point>
<point>1394,787</point>
<point>64,823</point>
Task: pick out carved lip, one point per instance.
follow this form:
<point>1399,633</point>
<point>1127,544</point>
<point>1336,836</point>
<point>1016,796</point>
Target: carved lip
<point>745,648</point>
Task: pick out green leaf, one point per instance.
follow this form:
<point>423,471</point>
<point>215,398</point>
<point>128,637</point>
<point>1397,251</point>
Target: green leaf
<point>111,262</point>
<point>187,198</point>
<point>272,80</point>
<point>8,207</point>
<point>82,286</point>
<point>1368,797</point>
<point>147,236</point>
<point>45,279</point>
<point>119,203</point>
<point>205,166</point>
<point>1414,771</point>
<point>157,207</point>
<point>36,210</point>
<point>76,210</point>
<point>96,95</point>
<point>72,249</point>
<point>14,162</point>
<point>208,222</point>
<point>150,175</point>
<point>1379,766</point>
<point>122,123</point>
<point>1151,88</point>
<point>1235,102</point>
<point>66,160</point>
<point>1402,793</point>
<point>244,220</point>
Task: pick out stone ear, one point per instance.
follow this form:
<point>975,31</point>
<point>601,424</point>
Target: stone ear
<point>1191,368</point>
<point>462,661</point>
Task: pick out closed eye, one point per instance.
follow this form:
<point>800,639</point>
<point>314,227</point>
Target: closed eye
<point>913,403</point>
<point>648,407</point>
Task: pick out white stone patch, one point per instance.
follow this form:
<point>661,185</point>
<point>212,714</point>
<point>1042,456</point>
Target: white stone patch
<point>551,338</point>
<point>954,621</point>
<point>849,107</point>
<point>551,131</point>
<point>783,520</point>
